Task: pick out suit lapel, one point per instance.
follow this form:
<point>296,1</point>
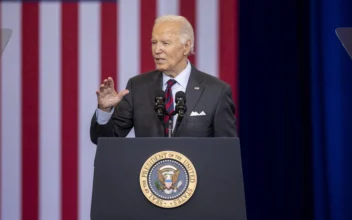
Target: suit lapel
<point>154,85</point>
<point>193,92</point>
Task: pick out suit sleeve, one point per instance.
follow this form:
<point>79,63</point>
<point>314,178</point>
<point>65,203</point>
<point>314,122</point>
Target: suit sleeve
<point>120,123</point>
<point>224,118</point>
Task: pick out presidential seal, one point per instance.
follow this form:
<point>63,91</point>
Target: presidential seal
<point>168,179</point>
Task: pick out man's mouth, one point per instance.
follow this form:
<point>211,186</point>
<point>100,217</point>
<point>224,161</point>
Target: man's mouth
<point>159,60</point>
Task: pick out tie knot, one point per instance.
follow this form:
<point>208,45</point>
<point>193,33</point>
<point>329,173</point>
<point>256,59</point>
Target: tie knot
<point>170,83</point>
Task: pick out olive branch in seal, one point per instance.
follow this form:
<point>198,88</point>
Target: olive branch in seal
<point>157,185</point>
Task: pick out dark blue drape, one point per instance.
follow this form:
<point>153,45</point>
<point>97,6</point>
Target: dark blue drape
<point>331,92</point>
<point>295,104</point>
<point>274,109</point>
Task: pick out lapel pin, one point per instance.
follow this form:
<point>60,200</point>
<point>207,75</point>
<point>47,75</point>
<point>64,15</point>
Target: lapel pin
<point>197,88</point>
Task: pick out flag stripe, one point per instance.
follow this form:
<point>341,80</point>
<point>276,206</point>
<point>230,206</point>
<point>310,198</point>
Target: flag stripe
<point>207,36</point>
<point>69,111</point>
<point>128,41</point>
<point>148,15</point>
<point>228,41</point>
<point>109,41</point>
<point>30,103</point>
<point>188,9</point>
<point>50,116</point>
<point>11,110</point>
<point>167,7</point>
<point>89,75</point>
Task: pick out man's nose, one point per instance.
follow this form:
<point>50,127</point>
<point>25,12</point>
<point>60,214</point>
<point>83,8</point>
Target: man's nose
<point>158,48</point>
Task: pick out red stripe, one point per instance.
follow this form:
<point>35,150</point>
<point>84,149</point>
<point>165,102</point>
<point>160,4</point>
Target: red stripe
<point>188,10</point>
<point>30,110</point>
<point>69,103</point>
<point>109,41</point>
<point>228,46</point>
<point>147,17</point>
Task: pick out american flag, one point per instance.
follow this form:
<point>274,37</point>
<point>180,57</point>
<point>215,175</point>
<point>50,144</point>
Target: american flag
<point>56,59</point>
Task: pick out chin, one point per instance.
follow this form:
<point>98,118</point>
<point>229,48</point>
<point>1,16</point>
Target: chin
<point>160,67</point>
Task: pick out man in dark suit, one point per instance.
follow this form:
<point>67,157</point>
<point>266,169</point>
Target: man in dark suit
<point>210,109</point>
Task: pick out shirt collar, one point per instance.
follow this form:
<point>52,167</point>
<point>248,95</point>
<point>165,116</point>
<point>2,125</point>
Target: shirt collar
<point>182,78</point>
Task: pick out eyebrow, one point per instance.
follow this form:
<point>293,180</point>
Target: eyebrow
<point>161,40</point>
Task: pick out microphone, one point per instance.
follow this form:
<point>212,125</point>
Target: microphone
<point>181,108</point>
<point>180,103</point>
<point>159,107</point>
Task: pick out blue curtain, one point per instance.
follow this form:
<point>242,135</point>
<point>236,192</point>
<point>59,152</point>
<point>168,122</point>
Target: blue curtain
<point>331,93</point>
<point>295,109</point>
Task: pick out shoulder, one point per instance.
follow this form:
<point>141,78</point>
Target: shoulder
<point>212,81</point>
<point>145,76</point>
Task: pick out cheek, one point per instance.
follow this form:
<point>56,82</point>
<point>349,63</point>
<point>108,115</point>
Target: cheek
<point>172,56</point>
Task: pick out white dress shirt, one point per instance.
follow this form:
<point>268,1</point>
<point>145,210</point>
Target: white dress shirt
<point>181,85</point>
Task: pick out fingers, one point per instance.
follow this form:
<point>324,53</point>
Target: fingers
<point>105,84</point>
<point>102,87</point>
<point>123,93</point>
<point>111,83</point>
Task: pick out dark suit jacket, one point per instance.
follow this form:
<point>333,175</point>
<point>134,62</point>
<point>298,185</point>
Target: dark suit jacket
<point>136,109</point>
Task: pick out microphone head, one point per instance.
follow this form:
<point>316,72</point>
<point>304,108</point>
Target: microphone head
<point>160,94</point>
<point>159,103</point>
<point>180,95</point>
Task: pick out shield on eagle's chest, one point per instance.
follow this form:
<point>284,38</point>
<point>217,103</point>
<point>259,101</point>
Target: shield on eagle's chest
<point>168,182</point>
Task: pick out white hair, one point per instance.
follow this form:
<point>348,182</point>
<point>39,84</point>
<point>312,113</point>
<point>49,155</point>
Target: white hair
<point>186,29</point>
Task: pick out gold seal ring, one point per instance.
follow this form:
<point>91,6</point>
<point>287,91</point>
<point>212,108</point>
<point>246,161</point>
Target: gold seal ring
<point>168,179</point>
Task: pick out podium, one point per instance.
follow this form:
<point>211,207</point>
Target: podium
<point>168,178</point>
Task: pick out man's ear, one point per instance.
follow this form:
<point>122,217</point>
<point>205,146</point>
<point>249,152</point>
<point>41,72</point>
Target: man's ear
<point>187,48</point>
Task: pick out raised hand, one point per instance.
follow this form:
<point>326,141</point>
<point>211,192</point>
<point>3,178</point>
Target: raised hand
<point>107,96</point>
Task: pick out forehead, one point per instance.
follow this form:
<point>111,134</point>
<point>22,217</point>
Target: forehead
<point>166,30</point>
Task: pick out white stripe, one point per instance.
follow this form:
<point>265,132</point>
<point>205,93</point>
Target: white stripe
<point>167,7</point>
<point>50,116</point>
<point>89,69</point>
<point>207,36</point>
<point>11,115</point>
<point>129,43</point>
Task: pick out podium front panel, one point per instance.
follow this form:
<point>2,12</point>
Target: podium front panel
<point>219,193</point>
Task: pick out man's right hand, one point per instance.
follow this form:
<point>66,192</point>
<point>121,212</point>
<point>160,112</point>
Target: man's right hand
<point>107,96</point>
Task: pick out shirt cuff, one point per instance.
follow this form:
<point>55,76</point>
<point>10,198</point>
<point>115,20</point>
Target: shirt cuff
<point>102,116</point>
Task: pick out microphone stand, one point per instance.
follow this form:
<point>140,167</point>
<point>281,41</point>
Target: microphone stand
<point>170,126</point>
<point>160,110</point>
<point>178,122</point>
<point>181,110</point>
<point>170,123</point>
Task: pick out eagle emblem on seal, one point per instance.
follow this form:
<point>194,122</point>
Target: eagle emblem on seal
<point>167,179</point>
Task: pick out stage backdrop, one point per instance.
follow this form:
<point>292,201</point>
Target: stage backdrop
<point>296,104</point>
<point>331,94</point>
<point>58,55</point>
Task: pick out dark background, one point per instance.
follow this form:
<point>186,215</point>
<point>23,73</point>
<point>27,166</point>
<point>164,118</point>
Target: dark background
<point>296,105</point>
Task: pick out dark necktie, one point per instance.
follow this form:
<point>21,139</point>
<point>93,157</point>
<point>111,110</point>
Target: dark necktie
<point>169,105</point>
